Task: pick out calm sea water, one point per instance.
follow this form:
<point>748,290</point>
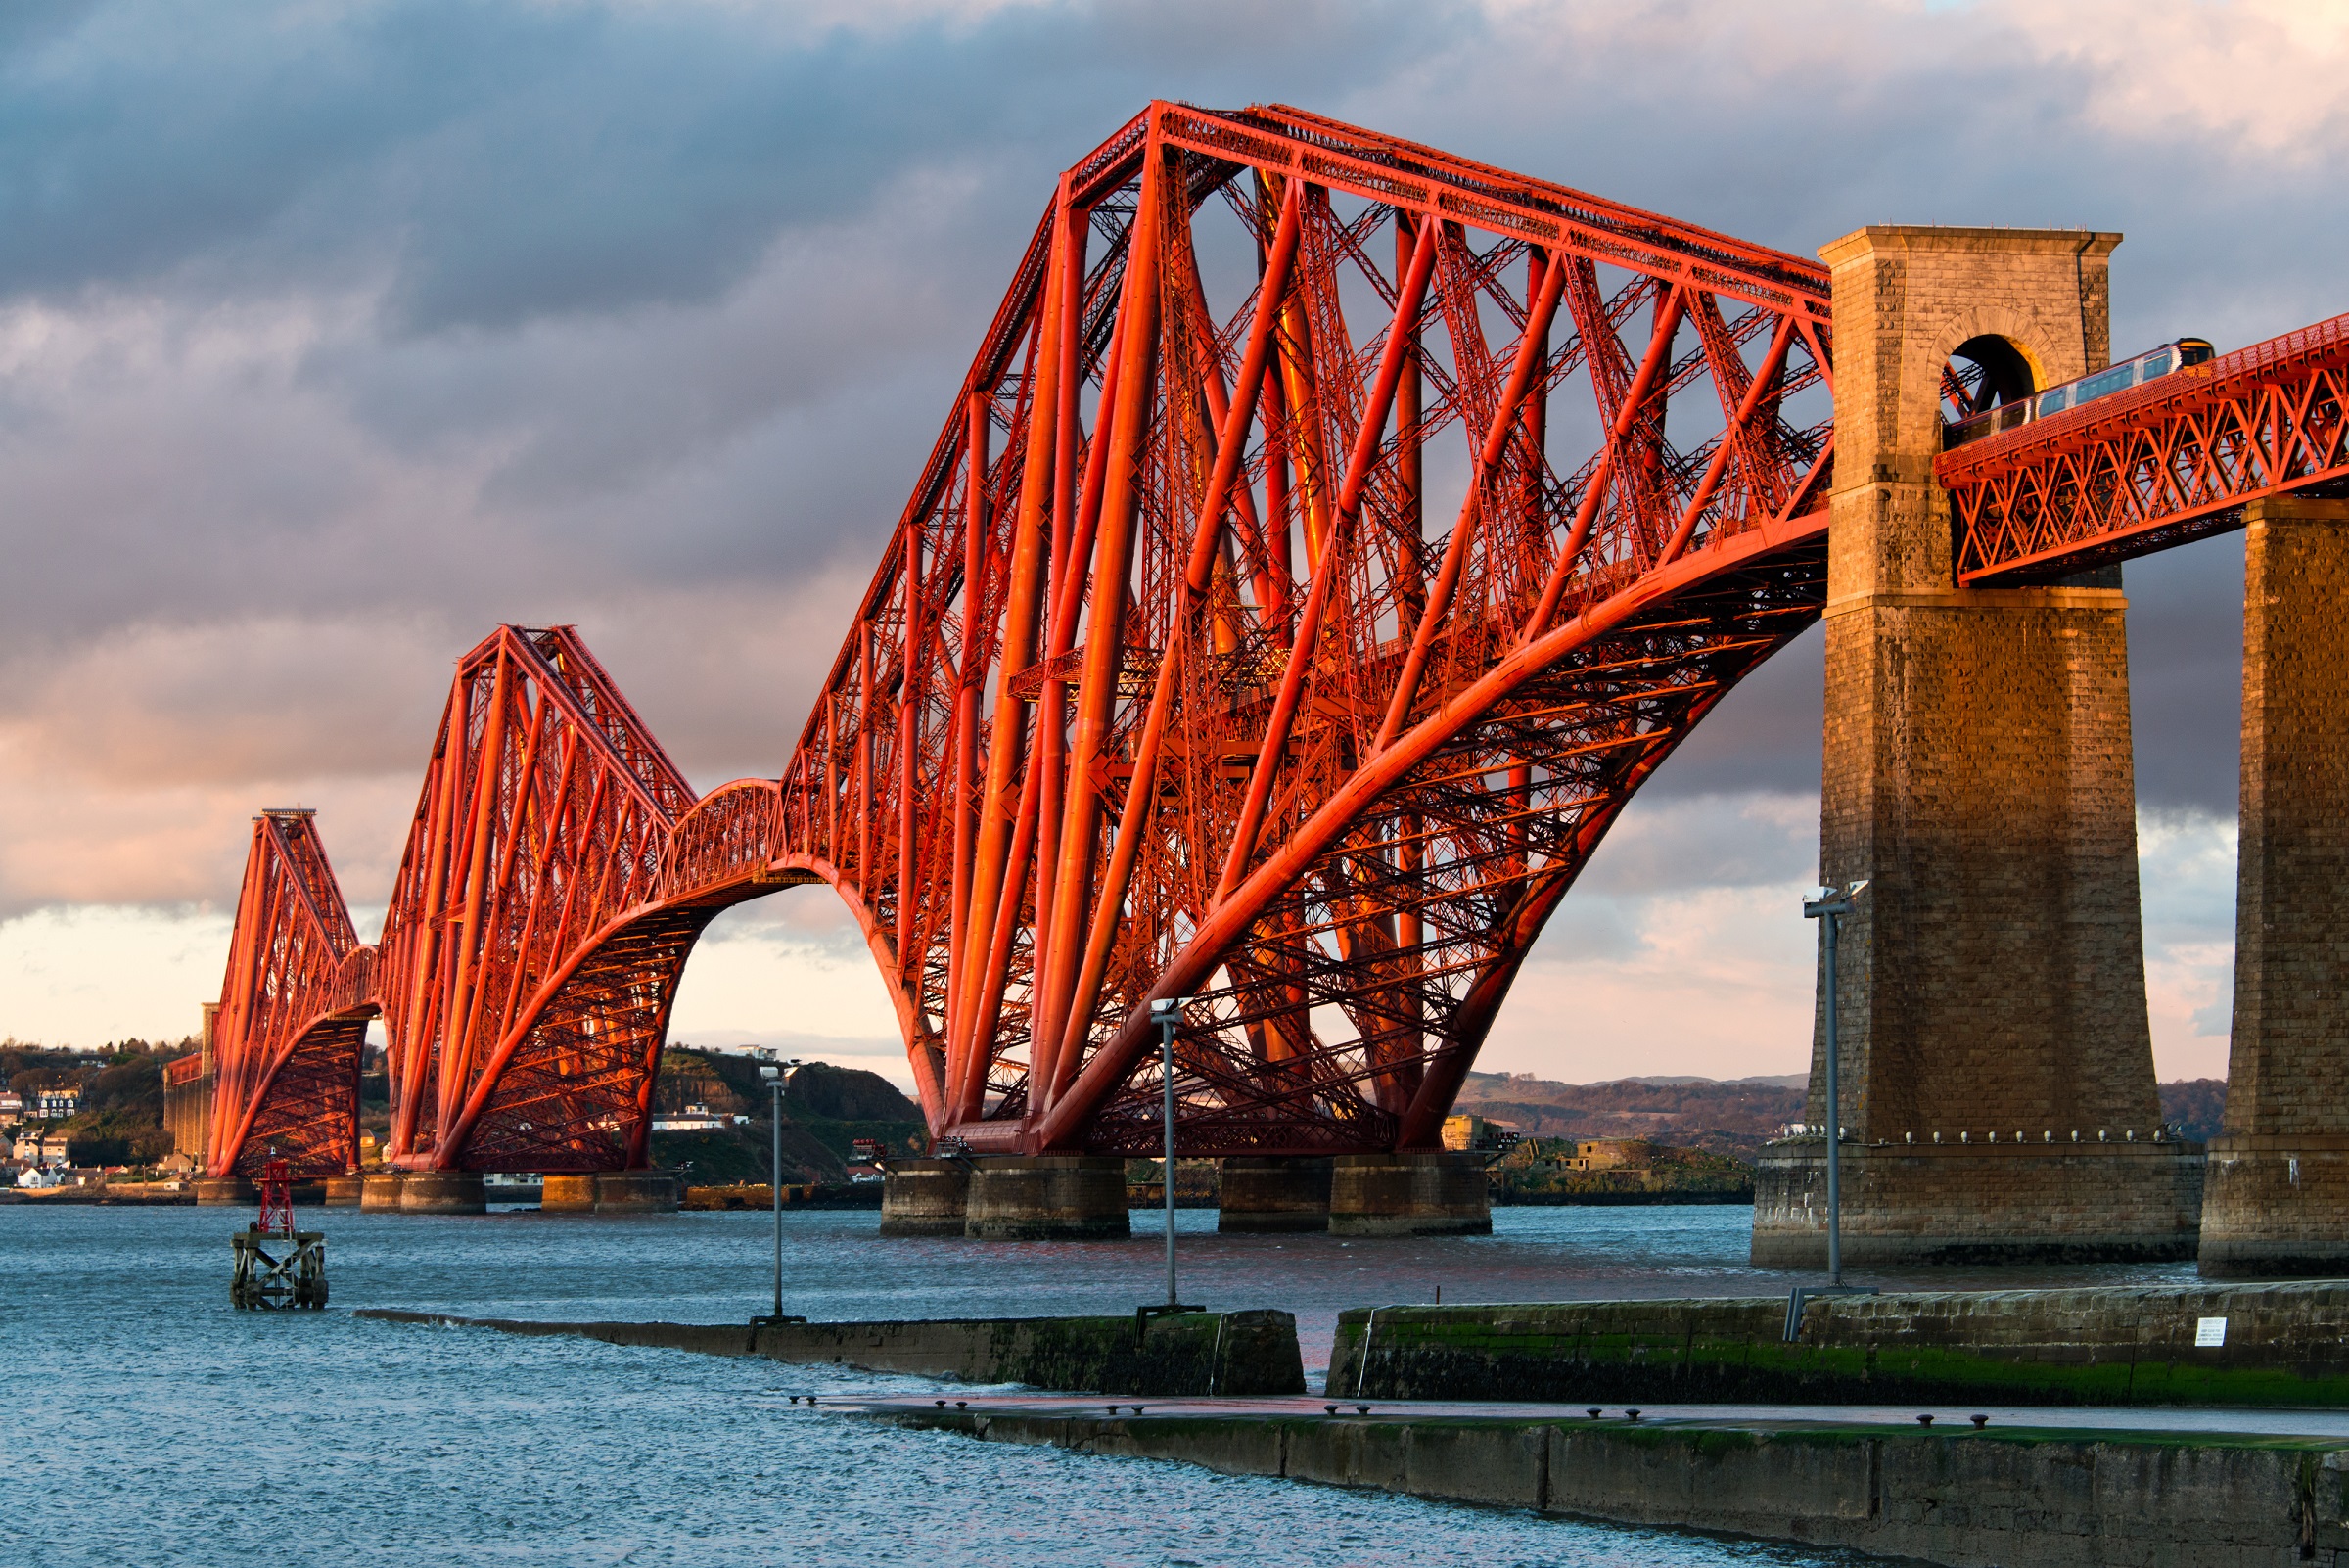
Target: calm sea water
<point>152,1424</point>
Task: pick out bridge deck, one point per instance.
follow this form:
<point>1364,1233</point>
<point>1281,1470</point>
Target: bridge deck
<point>2171,461</point>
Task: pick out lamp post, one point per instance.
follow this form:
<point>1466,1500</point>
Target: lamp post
<point>772,1072</point>
<point>1829,906</point>
<point>1167,1014</point>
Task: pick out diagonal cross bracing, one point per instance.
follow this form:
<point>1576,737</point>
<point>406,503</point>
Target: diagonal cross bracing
<point>2160,464</point>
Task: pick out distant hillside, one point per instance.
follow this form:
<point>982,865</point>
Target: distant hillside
<point>1697,1113</point>
<point>826,1109</point>
<point>1723,1117</point>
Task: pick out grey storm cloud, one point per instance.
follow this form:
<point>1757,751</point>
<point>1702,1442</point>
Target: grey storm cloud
<point>526,160</point>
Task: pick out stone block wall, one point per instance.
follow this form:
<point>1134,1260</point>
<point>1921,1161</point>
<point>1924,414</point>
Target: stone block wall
<point>1251,1352</point>
<point>1969,1499</point>
<point>2284,1346</point>
<point>1979,775</point>
<point>2280,1172</point>
<point>2030,1201</point>
<point>188,1114</point>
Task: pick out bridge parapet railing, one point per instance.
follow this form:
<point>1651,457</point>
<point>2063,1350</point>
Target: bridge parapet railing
<point>728,838</point>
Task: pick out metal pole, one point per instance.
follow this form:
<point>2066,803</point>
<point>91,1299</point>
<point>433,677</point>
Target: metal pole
<point>774,1188</point>
<point>1166,1057</point>
<point>1827,933</point>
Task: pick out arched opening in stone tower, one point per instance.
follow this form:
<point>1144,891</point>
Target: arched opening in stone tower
<point>1984,373</point>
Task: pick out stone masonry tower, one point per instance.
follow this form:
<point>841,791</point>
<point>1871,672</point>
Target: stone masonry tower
<point>2278,1197</point>
<point>1996,1072</point>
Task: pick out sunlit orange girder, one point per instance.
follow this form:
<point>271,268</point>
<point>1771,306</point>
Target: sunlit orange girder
<point>294,1005</point>
<point>1329,536</point>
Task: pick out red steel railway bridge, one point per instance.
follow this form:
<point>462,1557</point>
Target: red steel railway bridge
<point>1329,537</point>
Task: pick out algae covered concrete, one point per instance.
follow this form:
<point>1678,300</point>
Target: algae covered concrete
<point>2284,1346</point>
<point>2012,1497</point>
<point>1242,1352</point>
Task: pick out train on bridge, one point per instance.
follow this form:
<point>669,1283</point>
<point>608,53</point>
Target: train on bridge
<point>1994,417</point>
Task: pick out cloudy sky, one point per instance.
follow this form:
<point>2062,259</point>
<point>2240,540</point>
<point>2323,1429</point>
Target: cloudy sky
<point>334,333</point>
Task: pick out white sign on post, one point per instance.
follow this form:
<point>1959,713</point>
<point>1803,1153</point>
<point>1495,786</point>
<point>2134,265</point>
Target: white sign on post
<point>2209,1331</point>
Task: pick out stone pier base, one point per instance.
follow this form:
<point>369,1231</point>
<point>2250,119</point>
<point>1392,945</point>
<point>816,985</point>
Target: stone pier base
<point>2276,1208</point>
<point>1274,1196</point>
<point>2279,1170</point>
<point>345,1192</point>
<point>378,1191</point>
<point>608,1192</point>
<point>226,1193</point>
<point>442,1192</point>
<point>1054,1197</point>
<point>1981,1203</point>
<point>1435,1194</point>
<point>636,1192</point>
<point>925,1198</point>
<point>567,1192</point>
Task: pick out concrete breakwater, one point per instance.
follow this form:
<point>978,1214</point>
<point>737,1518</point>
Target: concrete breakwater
<point>2252,1346</point>
<point>2043,1497</point>
<point>1240,1353</point>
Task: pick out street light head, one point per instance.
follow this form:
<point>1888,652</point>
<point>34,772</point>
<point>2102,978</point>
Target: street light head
<point>794,1062</point>
<point>1856,888</point>
<point>1168,1009</point>
<point>770,1071</point>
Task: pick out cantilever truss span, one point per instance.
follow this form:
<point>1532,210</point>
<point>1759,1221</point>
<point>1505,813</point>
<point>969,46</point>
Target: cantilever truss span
<point>1329,537</point>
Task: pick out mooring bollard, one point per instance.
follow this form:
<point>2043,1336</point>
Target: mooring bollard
<point>264,1281</point>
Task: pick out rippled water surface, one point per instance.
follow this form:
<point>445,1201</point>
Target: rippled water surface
<point>152,1424</point>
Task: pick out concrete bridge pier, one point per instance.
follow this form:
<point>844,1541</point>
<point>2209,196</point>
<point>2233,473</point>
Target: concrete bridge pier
<point>1050,1197</point>
<point>1436,1193</point>
<point>346,1191</point>
<point>1270,1196</point>
<point>567,1192</point>
<point>1997,1067</point>
<point>442,1192</point>
<point>2278,1202</point>
<point>636,1192</point>
<point>924,1197</point>
<point>378,1191</point>
<point>234,1191</point>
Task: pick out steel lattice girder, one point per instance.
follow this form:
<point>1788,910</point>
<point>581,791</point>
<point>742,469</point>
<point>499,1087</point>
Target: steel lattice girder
<point>2172,460</point>
<point>530,954</point>
<point>1184,673</point>
<point>294,1005</point>
<point>535,848</point>
<point>1177,680</point>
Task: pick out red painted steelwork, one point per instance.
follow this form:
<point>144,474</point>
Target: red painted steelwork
<point>528,961</point>
<point>1184,672</point>
<point>2173,460</point>
<point>277,1198</point>
<point>1182,675</point>
<point>294,1005</point>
